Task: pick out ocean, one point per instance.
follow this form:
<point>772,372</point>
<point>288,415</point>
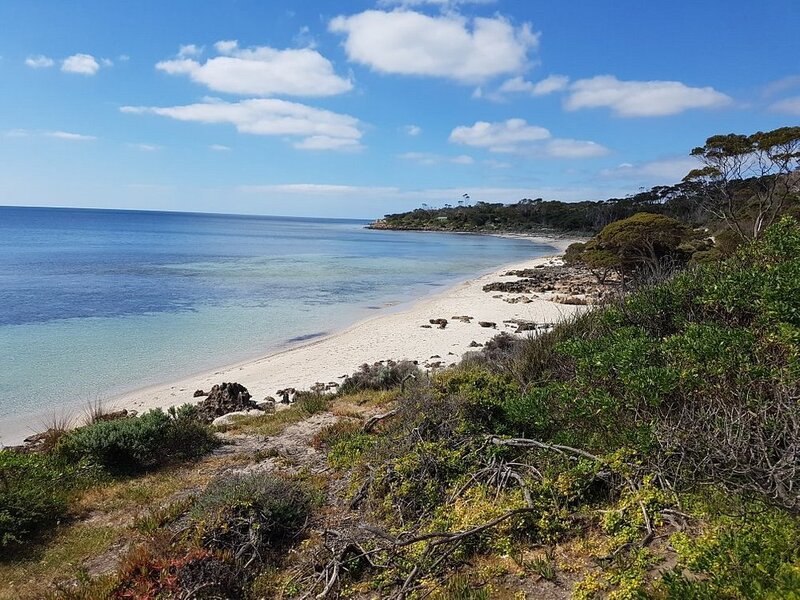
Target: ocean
<point>94,303</point>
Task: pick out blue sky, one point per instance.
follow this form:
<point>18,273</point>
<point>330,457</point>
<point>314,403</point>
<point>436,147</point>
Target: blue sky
<point>362,108</point>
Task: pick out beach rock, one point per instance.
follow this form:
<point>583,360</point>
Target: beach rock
<point>223,399</point>
<point>436,356</point>
<point>463,318</point>
<point>36,439</point>
<point>519,299</point>
<point>286,396</point>
<point>113,415</point>
<point>442,323</point>
<point>199,393</point>
<point>425,326</point>
<point>488,324</point>
<point>231,417</point>
<point>474,344</point>
<point>267,405</point>
<point>573,300</point>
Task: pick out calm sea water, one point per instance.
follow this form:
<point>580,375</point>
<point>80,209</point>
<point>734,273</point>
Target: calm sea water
<point>94,303</point>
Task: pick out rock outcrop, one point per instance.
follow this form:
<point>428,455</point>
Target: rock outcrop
<point>223,399</point>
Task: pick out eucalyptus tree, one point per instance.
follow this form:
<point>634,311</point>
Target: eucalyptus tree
<point>748,180</point>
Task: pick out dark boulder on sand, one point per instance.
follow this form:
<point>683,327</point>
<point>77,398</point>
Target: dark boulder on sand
<point>223,399</point>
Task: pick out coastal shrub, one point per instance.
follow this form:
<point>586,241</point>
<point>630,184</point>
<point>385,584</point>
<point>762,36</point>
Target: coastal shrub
<point>416,481</point>
<point>310,403</point>
<point>136,444</point>
<point>480,504</point>
<point>250,515</point>
<point>750,555</point>
<point>345,442</point>
<point>33,495</point>
<point>379,376</point>
<point>162,570</point>
<point>482,395</point>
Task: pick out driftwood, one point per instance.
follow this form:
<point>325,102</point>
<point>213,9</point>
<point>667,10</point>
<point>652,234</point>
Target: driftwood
<point>372,422</point>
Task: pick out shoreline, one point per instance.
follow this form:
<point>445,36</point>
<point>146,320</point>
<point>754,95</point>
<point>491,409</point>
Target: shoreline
<point>396,333</point>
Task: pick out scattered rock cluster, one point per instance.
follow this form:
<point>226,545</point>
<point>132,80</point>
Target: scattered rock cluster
<point>559,283</point>
<point>520,326</point>
<point>322,388</point>
<point>442,323</point>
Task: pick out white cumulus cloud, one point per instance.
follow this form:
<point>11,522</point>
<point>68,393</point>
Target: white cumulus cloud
<point>260,70</point>
<point>451,46</point>
<point>641,98</point>
<point>518,137</point>
<point>82,64</point>
<point>318,129</point>
<point>189,50</point>
<point>219,148</point>
<point>412,130</point>
<point>39,62</point>
<point>505,136</point>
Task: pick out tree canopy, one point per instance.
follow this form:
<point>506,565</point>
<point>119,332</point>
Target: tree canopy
<point>639,244</point>
<point>748,180</point>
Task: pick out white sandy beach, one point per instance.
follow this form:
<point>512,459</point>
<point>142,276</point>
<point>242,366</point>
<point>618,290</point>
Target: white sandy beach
<point>396,335</point>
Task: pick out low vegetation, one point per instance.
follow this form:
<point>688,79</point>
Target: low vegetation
<point>135,445</point>
<point>34,494</point>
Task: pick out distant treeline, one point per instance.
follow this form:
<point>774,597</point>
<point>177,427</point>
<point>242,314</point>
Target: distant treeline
<point>680,201</point>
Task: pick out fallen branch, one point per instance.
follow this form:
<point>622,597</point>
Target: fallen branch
<point>372,422</point>
<point>526,443</point>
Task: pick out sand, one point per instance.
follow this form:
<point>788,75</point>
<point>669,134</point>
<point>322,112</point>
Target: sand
<point>396,335</point>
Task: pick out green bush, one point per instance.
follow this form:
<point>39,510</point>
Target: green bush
<point>753,555</point>
<point>311,403</point>
<point>137,444</point>
<point>33,495</point>
<point>346,443</point>
<point>379,376</point>
<point>249,515</point>
<point>483,396</point>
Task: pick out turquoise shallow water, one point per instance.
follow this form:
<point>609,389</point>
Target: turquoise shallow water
<point>95,303</point>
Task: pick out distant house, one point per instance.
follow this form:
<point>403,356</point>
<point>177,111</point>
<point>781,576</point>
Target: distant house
<point>441,218</point>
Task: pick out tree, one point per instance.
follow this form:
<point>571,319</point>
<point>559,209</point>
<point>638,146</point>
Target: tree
<point>748,179</point>
<point>639,245</point>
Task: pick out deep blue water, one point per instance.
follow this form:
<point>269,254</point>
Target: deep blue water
<point>97,302</point>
